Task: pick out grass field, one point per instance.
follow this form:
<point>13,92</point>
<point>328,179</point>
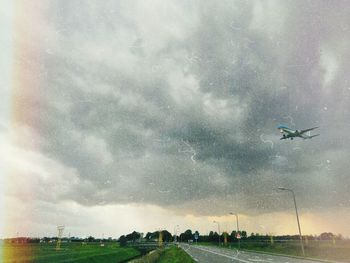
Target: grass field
<point>171,254</point>
<point>70,252</point>
<point>175,255</point>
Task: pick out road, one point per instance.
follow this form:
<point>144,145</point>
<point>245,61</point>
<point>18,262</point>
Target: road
<point>207,254</point>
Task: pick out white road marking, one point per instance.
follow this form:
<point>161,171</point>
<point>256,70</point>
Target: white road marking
<point>223,255</point>
<point>258,260</point>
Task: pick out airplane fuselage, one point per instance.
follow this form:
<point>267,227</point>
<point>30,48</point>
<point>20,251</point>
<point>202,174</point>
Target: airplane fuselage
<point>288,133</point>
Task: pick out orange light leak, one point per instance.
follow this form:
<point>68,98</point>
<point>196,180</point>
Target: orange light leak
<point>23,22</point>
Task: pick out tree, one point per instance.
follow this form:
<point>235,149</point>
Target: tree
<point>233,236</point>
<point>187,235</point>
<point>215,237</point>
<point>339,237</point>
<point>326,236</point>
<point>244,234</point>
<point>133,236</point>
<point>148,236</point>
<point>211,236</point>
<point>167,237</point>
<point>46,239</point>
<point>122,241</point>
<point>155,235</point>
<point>91,239</point>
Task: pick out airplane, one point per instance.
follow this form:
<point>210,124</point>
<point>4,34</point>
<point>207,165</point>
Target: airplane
<point>289,133</point>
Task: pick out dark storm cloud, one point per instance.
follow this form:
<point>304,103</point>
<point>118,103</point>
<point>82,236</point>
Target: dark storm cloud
<point>169,109</point>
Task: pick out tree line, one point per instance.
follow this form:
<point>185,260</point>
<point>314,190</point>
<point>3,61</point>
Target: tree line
<point>212,236</point>
<point>186,236</point>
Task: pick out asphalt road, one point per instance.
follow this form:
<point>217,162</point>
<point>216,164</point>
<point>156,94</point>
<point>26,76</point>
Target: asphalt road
<point>207,254</point>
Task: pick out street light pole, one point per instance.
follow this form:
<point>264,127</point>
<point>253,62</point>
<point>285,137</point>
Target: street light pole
<point>239,240</point>
<point>218,229</point>
<point>296,212</point>
<point>175,233</point>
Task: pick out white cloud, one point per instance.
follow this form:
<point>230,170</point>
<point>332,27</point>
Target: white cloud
<point>42,218</point>
<point>31,175</point>
<point>330,65</point>
<point>269,17</point>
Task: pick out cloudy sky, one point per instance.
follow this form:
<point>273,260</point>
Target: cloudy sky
<point>140,115</point>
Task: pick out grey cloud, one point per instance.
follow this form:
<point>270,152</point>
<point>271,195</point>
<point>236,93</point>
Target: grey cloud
<point>193,116</point>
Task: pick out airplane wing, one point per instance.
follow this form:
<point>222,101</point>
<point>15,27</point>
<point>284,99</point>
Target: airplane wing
<point>309,137</point>
<point>303,131</point>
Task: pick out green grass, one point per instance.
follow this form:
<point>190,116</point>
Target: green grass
<point>175,255</point>
<point>151,257</point>
<point>70,252</point>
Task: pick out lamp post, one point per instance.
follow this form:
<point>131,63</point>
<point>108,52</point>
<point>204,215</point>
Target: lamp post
<point>296,212</point>
<point>239,240</point>
<point>218,229</point>
<point>175,233</point>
